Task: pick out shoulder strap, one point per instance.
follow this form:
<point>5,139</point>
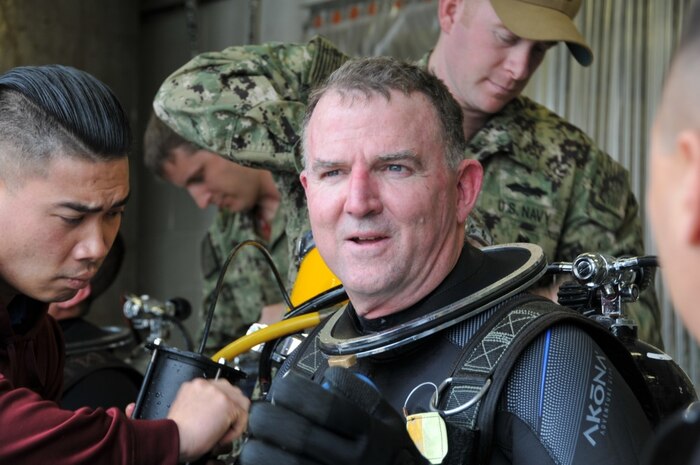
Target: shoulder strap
<point>490,355</point>
<point>308,359</point>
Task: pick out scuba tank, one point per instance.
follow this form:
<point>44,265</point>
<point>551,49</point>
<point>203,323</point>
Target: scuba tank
<point>600,287</point>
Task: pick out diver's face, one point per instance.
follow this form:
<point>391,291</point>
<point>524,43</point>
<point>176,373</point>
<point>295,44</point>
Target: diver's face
<point>382,202</point>
<point>213,180</point>
<point>57,229</point>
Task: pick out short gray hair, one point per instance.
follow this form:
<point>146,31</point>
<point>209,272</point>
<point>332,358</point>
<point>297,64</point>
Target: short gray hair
<point>379,76</point>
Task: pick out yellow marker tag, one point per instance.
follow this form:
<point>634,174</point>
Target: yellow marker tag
<point>344,361</point>
<point>429,435</point>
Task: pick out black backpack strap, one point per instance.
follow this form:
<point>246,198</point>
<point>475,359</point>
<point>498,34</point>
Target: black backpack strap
<point>492,352</point>
<point>308,359</point>
<point>481,356</point>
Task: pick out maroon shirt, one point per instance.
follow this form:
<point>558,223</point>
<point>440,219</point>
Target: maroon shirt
<point>34,430</point>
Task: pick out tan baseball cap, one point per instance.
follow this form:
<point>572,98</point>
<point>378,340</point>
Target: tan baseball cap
<point>547,20</point>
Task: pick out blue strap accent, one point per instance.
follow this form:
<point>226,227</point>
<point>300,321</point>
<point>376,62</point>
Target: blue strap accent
<point>545,360</point>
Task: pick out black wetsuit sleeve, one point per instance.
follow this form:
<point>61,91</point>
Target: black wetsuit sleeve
<point>565,403</point>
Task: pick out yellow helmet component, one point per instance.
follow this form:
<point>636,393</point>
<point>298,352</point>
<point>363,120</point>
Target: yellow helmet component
<point>314,278</point>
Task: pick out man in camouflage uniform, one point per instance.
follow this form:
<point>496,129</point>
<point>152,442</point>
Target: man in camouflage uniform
<point>246,103</point>
<point>545,182</point>
<point>249,291</point>
<point>544,179</point>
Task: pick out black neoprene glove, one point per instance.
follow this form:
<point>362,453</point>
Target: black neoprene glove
<point>345,421</point>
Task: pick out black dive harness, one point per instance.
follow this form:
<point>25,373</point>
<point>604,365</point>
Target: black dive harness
<point>469,397</point>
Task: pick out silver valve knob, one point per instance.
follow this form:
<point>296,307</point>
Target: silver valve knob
<point>591,269</point>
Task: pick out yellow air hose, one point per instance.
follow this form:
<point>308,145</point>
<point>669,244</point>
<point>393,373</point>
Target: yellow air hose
<point>313,279</point>
<point>273,331</point>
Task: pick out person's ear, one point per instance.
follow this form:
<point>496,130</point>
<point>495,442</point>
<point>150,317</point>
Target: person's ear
<point>303,179</point>
<point>449,12</point>
<point>469,177</point>
<point>688,149</point>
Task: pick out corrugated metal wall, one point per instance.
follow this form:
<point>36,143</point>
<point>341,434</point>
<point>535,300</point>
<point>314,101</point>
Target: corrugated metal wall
<point>613,100</point>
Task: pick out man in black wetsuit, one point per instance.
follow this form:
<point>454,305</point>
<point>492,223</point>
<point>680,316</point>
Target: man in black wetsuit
<point>388,192</point>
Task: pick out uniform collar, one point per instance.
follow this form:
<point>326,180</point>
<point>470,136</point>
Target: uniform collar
<point>511,132</point>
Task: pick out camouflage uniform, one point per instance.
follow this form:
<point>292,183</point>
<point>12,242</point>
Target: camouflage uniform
<point>546,182</point>
<point>247,104</point>
<point>249,283</point>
